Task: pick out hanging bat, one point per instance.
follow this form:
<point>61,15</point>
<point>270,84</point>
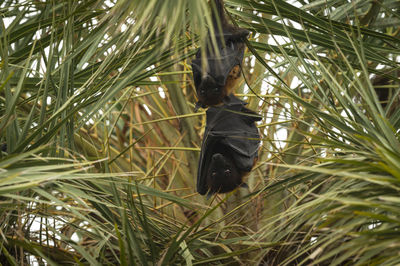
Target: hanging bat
<point>229,149</point>
<point>216,77</point>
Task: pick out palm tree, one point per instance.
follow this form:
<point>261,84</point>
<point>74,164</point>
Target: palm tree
<point>100,142</point>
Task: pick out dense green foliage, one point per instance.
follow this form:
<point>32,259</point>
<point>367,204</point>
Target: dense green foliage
<point>100,144</point>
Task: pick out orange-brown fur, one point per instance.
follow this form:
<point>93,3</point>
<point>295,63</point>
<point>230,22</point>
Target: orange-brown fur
<point>232,80</point>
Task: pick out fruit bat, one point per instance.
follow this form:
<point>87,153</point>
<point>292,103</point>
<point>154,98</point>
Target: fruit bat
<point>229,148</point>
<point>216,76</point>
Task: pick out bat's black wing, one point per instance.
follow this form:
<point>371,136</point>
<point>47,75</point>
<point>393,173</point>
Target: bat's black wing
<point>211,71</point>
<point>230,127</point>
<point>216,67</point>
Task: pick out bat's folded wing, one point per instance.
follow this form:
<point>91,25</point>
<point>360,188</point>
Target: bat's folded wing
<point>201,171</point>
<point>243,146</point>
<point>230,127</point>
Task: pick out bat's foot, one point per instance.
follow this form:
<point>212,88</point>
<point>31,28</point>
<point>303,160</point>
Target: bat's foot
<point>197,106</point>
<point>209,194</point>
<point>244,185</point>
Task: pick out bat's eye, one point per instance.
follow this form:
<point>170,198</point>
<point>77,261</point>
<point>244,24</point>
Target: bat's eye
<point>227,172</point>
<point>216,89</point>
<point>214,174</point>
<point>202,92</point>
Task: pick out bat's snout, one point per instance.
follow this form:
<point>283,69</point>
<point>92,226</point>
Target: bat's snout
<point>209,88</point>
<point>207,82</point>
<point>218,157</point>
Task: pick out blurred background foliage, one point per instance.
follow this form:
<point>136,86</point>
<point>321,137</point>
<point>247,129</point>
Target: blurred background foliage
<point>100,143</point>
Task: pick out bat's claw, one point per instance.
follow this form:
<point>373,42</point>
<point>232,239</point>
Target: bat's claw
<point>209,194</point>
<point>244,185</point>
<point>197,106</point>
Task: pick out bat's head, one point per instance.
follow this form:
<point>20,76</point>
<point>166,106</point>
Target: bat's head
<point>209,87</point>
<point>223,176</point>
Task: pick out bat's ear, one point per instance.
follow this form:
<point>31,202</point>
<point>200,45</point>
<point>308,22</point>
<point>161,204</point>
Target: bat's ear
<point>196,69</point>
<point>232,100</point>
<point>252,116</point>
